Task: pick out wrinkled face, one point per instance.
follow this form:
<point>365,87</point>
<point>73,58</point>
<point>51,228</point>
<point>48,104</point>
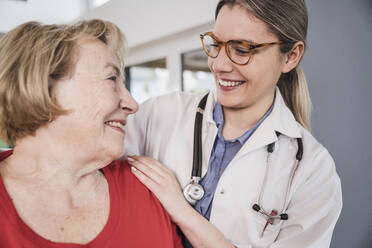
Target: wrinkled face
<point>98,100</point>
<point>245,86</point>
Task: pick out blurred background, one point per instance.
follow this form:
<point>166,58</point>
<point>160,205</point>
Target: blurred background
<point>165,55</point>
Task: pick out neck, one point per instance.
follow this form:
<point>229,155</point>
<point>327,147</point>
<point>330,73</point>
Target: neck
<point>52,168</point>
<point>239,120</point>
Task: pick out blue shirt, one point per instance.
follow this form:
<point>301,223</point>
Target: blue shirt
<point>222,153</point>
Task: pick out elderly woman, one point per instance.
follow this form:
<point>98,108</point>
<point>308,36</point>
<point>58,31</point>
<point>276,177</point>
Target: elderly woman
<point>63,107</point>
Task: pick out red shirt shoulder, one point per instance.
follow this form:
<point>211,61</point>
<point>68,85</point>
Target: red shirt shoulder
<point>144,211</point>
<point>136,217</point>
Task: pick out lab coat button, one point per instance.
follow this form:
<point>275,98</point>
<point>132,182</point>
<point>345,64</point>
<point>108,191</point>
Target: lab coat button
<point>222,191</point>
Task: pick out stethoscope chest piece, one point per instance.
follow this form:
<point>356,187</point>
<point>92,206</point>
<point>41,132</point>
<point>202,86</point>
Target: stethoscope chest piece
<point>193,192</point>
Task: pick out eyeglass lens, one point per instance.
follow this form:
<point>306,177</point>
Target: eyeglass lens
<point>211,46</point>
<point>236,50</point>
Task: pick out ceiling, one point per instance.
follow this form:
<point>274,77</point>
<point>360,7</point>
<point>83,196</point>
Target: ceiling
<point>16,12</point>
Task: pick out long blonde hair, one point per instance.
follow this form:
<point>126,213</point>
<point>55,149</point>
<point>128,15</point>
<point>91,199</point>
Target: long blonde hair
<point>288,20</point>
<point>33,57</point>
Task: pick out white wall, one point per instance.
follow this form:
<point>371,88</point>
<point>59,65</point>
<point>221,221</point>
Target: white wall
<point>154,29</point>
<point>14,13</point>
<point>170,47</point>
<point>159,29</point>
<point>146,20</point>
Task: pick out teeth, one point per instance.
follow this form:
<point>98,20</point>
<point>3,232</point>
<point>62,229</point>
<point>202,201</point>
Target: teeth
<point>230,83</point>
<point>115,124</point>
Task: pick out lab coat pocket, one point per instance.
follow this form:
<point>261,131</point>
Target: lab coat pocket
<point>248,231</point>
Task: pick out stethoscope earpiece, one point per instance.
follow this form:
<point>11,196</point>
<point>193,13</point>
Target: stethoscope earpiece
<point>271,216</point>
<point>256,207</point>
<point>284,216</point>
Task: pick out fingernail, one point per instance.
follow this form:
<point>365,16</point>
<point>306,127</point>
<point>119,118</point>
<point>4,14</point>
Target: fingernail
<point>130,159</point>
<point>133,168</point>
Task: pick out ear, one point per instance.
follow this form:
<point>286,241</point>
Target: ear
<point>293,57</point>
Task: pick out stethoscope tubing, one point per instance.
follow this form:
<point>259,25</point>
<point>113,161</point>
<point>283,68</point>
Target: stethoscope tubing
<point>197,160</point>
<point>194,191</point>
<point>198,149</point>
<point>270,151</point>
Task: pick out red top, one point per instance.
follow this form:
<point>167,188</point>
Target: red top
<point>136,219</point>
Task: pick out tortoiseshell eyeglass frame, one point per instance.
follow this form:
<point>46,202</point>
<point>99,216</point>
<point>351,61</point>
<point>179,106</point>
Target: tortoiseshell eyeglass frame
<point>220,44</point>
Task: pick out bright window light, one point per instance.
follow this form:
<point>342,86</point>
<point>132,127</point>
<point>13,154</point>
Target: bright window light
<point>97,3</point>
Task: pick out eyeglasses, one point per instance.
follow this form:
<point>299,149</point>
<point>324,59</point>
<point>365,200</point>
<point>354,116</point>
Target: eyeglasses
<point>239,51</point>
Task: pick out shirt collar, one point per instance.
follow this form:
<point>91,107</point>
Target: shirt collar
<point>219,119</point>
<point>280,120</point>
<point>218,115</point>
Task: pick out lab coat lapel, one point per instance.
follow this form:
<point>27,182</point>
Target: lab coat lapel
<point>264,135</point>
<point>280,120</point>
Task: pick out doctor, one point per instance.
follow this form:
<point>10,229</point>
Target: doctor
<point>265,180</point>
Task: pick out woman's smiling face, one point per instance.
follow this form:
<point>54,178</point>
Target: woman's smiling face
<point>252,84</point>
<point>97,99</point>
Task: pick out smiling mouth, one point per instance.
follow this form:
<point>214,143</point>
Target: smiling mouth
<point>230,83</point>
<point>116,124</point>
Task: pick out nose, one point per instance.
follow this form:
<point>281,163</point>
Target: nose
<point>221,63</point>
<point>127,102</point>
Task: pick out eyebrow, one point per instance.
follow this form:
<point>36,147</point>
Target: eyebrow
<point>248,41</point>
<point>111,65</point>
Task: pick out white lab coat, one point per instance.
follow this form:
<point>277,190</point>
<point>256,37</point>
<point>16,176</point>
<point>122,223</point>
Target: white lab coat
<point>163,129</point>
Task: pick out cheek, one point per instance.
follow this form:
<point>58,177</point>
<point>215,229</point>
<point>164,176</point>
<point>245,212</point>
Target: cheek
<point>277,63</point>
<point>100,102</point>
<point>92,104</point>
<point>264,70</point>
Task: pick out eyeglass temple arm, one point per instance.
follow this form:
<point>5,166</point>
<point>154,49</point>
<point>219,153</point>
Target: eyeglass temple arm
<point>266,44</point>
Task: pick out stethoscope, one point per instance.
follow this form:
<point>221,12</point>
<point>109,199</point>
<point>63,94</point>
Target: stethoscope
<point>193,191</point>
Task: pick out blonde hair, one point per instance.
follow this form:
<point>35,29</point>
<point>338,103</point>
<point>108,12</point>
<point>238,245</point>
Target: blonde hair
<point>288,20</point>
<point>33,57</point>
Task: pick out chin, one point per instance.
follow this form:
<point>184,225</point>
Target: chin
<point>229,102</point>
<point>118,153</point>
<point>113,151</point>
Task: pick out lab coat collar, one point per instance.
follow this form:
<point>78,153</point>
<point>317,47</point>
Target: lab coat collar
<point>280,120</point>
<point>209,106</point>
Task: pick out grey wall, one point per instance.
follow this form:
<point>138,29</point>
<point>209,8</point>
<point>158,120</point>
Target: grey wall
<point>338,66</point>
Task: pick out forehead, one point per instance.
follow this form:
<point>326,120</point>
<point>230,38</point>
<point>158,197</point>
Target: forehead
<point>93,54</point>
<point>237,23</point>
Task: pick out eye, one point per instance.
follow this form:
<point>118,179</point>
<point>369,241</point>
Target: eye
<point>240,51</point>
<point>113,78</point>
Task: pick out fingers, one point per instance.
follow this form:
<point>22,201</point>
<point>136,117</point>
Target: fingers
<point>153,164</point>
<point>155,171</point>
<point>144,168</point>
<point>147,181</point>
<point>162,182</point>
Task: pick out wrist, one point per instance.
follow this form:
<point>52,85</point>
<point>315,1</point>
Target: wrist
<point>188,217</point>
